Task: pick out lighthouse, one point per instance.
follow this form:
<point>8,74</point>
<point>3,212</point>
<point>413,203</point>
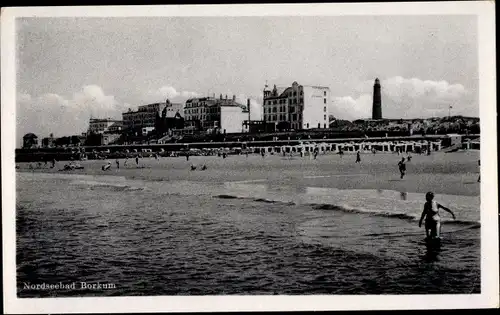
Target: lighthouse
<point>377,101</point>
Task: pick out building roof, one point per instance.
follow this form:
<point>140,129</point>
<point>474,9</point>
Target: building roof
<point>30,135</point>
<point>317,86</point>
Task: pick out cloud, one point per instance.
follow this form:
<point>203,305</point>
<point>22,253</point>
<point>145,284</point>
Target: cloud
<point>168,92</point>
<point>255,106</point>
<point>23,97</point>
<point>406,98</point>
<point>54,113</point>
<point>187,94</point>
<point>398,88</point>
<point>350,108</point>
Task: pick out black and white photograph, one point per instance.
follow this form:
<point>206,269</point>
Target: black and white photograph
<point>223,157</point>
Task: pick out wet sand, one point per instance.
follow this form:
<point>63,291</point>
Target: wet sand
<point>443,173</point>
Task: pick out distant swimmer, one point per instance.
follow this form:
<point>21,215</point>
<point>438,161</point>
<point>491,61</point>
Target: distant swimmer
<point>402,167</point>
<point>432,218</point>
<point>409,157</point>
<point>106,167</point>
<point>204,167</point>
<point>193,168</point>
<point>358,157</point>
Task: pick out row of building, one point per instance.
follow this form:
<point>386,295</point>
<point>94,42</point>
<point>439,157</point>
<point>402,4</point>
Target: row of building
<point>289,108</point>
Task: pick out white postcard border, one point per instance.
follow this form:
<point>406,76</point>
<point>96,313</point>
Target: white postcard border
<point>489,296</point>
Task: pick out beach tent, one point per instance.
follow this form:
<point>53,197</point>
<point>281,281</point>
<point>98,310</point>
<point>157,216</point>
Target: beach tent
<point>409,146</point>
<point>454,139</point>
<point>436,146</point>
<point>475,144</point>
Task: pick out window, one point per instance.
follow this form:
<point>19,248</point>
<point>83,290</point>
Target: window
<point>319,125</point>
<point>324,100</point>
<point>324,93</point>
<point>324,117</point>
<point>307,125</point>
<point>324,109</point>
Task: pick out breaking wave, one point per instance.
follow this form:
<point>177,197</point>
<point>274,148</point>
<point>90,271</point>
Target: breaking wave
<point>346,208</point>
<point>112,186</point>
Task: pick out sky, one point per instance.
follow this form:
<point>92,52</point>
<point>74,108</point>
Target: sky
<point>71,69</point>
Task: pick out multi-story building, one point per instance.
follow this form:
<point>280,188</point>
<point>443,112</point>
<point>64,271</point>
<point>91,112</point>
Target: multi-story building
<point>216,115</point>
<point>147,115</point>
<point>104,125</point>
<point>30,140</point>
<point>173,109</point>
<point>297,106</point>
<point>171,118</point>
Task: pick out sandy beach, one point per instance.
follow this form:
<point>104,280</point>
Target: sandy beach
<point>444,173</point>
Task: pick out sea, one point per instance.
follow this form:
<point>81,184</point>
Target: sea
<point>114,236</point>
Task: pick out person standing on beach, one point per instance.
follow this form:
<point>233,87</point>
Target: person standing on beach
<point>432,218</point>
<point>479,164</point>
<point>137,160</point>
<point>402,167</point>
<point>117,163</point>
<point>358,157</point>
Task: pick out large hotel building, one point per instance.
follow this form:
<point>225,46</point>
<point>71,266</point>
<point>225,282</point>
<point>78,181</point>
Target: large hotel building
<point>297,106</point>
<point>216,115</point>
<point>145,116</point>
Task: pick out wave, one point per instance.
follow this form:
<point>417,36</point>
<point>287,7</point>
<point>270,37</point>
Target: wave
<point>264,200</point>
<point>228,197</point>
<point>113,186</point>
<point>345,208</point>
